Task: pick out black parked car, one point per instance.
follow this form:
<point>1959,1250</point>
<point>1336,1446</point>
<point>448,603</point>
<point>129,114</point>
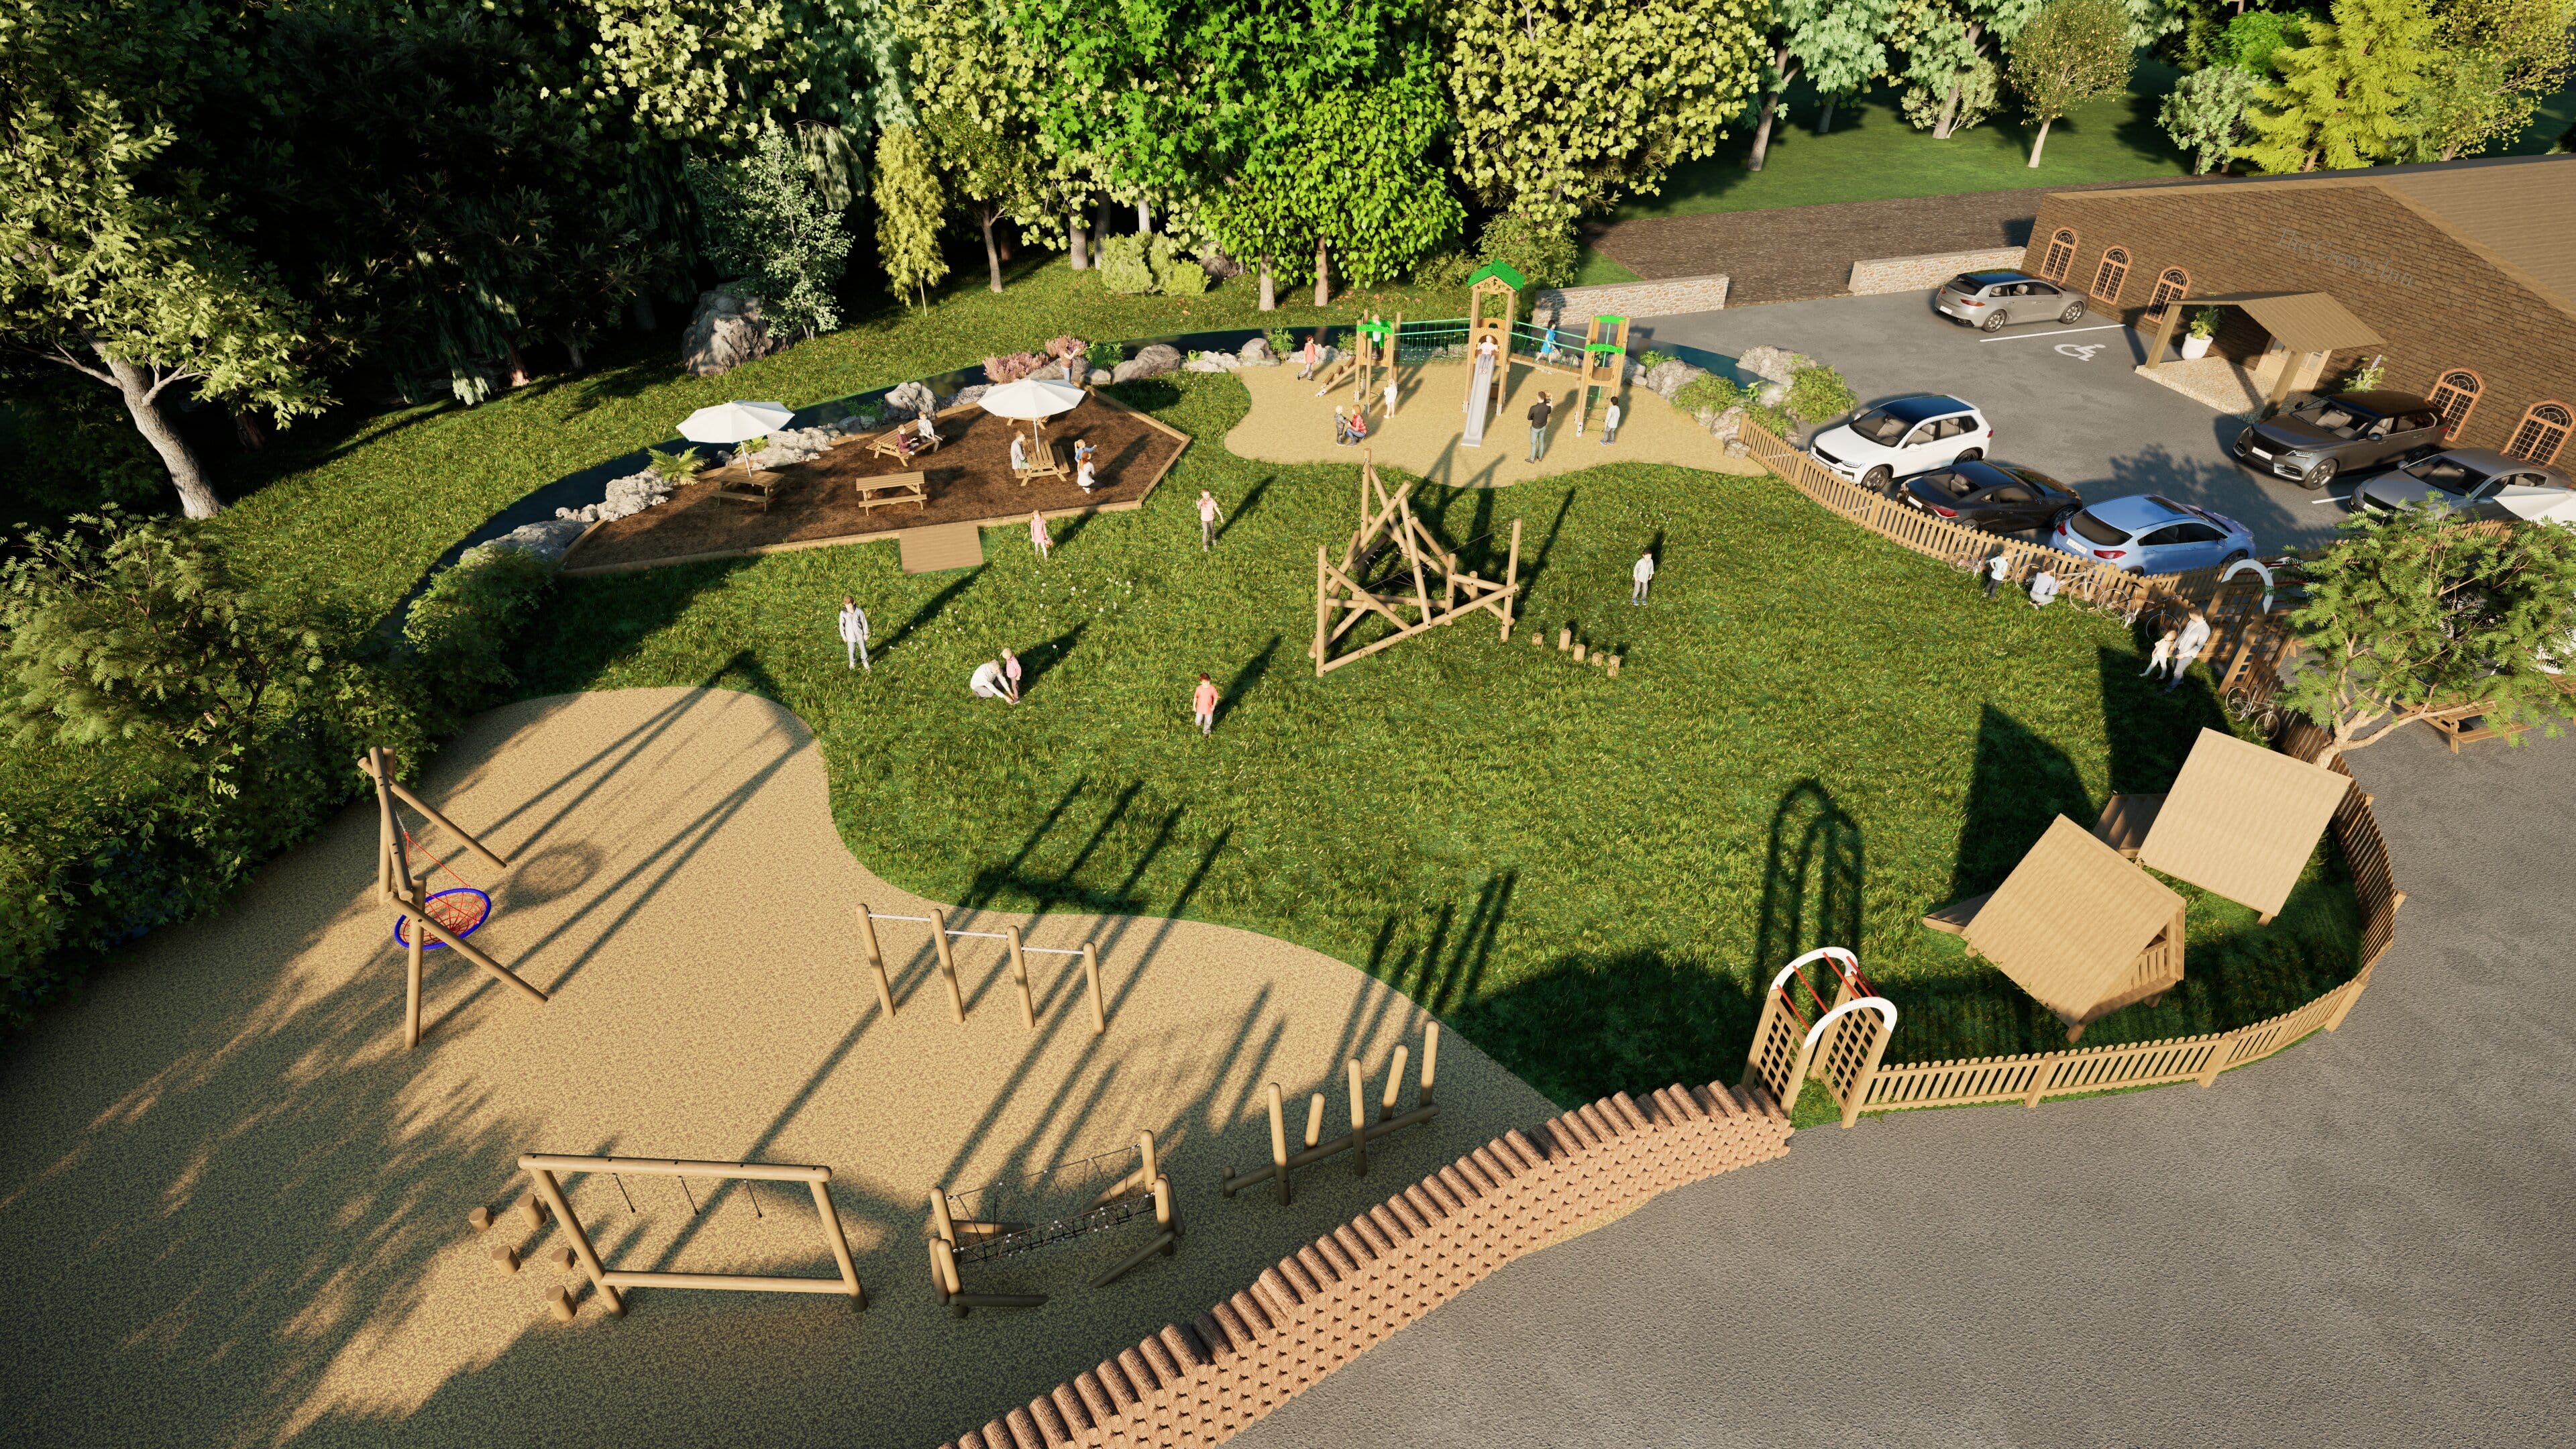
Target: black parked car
<point>2314,441</point>
<point>1996,497</point>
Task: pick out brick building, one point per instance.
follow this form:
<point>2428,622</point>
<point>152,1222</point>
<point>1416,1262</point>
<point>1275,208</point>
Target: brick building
<point>2465,272</point>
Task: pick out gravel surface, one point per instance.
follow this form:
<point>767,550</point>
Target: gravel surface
<point>235,1208</point>
<point>1288,423</point>
<point>2362,1241</point>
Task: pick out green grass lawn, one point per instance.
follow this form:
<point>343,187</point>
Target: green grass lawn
<point>1872,154</point>
<point>356,510</point>
<point>1816,737</point>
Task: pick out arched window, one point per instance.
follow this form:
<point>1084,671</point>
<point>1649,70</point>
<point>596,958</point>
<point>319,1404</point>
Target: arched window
<point>2171,287</point>
<point>2455,396</point>
<point>2108,277</point>
<point>2061,255</point>
<point>2542,433</point>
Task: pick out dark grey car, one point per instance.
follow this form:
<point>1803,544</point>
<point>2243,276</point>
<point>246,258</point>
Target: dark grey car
<point>1988,300</point>
<point>2344,433</point>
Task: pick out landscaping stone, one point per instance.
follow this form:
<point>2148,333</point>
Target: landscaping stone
<point>1728,425</point>
<point>1257,353</point>
<point>908,400</point>
<point>1772,364</point>
<point>1772,394</point>
<point>547,540</point>
<point>1670,376</point>
<point>724,332</point>
<point>792,445</point>
<point>1153,361</point>
<point>1101,377</point>
<point>1211,362</point>
<point>967,396</point>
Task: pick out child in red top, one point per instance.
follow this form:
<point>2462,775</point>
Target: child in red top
<point>1203,705</point>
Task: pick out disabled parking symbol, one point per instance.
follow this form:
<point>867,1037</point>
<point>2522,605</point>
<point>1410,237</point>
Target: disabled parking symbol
<point>2080,351</point>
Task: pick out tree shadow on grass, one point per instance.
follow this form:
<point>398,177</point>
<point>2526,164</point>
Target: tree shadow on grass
<point>2019,783</point>
<point>2149,731</point>
<point>1588,1024</point>
<point>1813,879</point>
<point>590,623</point>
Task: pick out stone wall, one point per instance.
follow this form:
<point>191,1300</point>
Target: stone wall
<point>1199,1384</point>
<point>1556,306</point>
<point>1921,274</point>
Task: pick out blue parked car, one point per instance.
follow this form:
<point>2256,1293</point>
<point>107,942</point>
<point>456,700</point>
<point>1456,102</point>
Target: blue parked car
<point>2145,534</point>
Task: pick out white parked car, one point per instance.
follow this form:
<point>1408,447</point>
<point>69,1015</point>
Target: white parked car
<point>1906,436</point>
<point>2476,482</point>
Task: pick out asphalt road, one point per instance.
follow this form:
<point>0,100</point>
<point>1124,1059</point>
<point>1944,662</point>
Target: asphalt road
<point>2063,400</point>
<point>2362,1241</point>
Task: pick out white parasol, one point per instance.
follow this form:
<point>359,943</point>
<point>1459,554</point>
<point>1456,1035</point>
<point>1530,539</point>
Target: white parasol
<point>1032,400</point>
<point>736,422</point>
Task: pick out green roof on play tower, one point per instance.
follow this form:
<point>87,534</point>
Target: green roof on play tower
<point>1502,270</point>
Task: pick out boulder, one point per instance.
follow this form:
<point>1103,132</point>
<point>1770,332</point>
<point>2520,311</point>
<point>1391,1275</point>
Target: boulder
<point>966,397</point>
<point>908,400</point>
<point>724,332</point>
<point>1670,376</point>
<point>1727,425</point>
<point>791,445</point>
<point>1101,377</point>
<point>1211,362</point>
<point>1257,353</point>
<point>1772,394</point>
<point>547,540</point>
<point>1738,448</point>
<point>1152,361</point>
<point>1217,264</point>
<point>1772,364</point>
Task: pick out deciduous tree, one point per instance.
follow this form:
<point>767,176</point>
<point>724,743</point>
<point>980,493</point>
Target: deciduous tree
<point>2205,114</point>
<point>1838,48</point>
<point>909,207</point>
<point>2491,63</point>
<point>2408,613</point>
<point>768,222</point>
<point>1564,106</point>
<point>2069,53</point>
<point>1945,40</point>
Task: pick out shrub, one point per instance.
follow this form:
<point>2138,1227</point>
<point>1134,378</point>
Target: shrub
<point>1446,268</point>
<point>1818,392</point>
<point>768,221</point>
<point>1541,252</point>
<point>1708,395</point>
<point>1176,272</point>
<point>1776,419</point>
<point>1123,266</point>
<point>1978,96</point>
<point>1652,360</point>
<point>1282,341</point>
<point>675,468</point>
<point>460,629</point>
<point>1107,354</point>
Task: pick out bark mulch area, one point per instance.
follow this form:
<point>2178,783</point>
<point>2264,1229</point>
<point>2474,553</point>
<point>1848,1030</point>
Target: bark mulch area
<point>970,482</point>
<point>1799,252</point>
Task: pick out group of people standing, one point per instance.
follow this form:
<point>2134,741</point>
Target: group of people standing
<point>2172,654</point>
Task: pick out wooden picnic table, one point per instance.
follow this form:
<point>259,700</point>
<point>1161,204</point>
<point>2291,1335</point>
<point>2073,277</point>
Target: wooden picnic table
<point>891,445</point>
<point>887,489</point>
<point>1045,462</point>
<point>757,488</point>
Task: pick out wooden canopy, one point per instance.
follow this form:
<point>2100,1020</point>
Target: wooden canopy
<point>2242,821</point>
<point>2304,321</point>
<point>2080,929</point>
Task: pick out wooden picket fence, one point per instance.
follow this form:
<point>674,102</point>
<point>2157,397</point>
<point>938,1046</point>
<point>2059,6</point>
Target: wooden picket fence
<point>2251,648</point>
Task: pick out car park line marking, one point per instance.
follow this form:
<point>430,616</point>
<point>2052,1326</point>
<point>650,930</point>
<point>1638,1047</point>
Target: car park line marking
<point>2058,332</point>
<point>2080,351</point>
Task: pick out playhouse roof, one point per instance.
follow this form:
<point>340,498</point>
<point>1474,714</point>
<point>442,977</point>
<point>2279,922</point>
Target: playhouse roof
<point>2070,921</point>
<point>2242,820</point>
<point>1500,271</point>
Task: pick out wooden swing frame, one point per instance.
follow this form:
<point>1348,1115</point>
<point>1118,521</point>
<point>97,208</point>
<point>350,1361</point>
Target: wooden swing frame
<point>398,887</point>
<point>1341,600</point>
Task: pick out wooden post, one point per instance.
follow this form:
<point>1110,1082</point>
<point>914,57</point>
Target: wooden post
<point>1394,1083</point>
<point>1091,974</point>
<point>1145,1163</point>
<point>411,977</point>
<point>1315,1119</point>
<point>1323,606</point>
<point>942,1225</point>
<point>590,1264</point>
<point>2040,1077</point>
<point>1511,582</point>
<point>1430,1059</point>
<point>1020,974</point>
<point>1278,1142</point>
<point>2219,1051</point>
<point>2164,333</point>
<point>947,963</point>
<point>1359,1121</point>
<point>876,959</point>
<point>838,1241</point>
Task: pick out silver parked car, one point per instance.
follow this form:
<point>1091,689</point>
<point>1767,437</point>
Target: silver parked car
<point>2476,482</point>
<point>1988,300</point>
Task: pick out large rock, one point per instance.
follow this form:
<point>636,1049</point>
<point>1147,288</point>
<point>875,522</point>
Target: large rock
<point>1102,377</point>
<point>792,445</point>
<point>1773,364</point>
<point>909,400</point>
<point>1257,353</point>
<point>1726,426</point>
<point>967,396</point>
<point>548,540</point>
<point>725,332</point>
<point>1670,376</point>
<point>1772,394</point>
<point>1211,362</point>
<point>1153,361</point>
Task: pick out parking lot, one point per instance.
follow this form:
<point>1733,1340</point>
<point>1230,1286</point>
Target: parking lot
<point>2063,400</point>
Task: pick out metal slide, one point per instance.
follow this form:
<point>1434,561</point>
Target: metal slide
<point>1478,400</point>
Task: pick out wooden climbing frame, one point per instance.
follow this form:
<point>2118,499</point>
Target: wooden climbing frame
<point>544,1167</point>
<point>1605,357</point>
<point>1497,286</point>
<point>1283,1163</point>
<point>409,894</point>
<point>1353,590</point>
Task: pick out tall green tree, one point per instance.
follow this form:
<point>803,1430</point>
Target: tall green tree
<point>2408,613</point>
<point>114,263</point>
<point>1945,40</point>
<point>975,87</point>
<point>1565,106</point>
<point>2492,61</point>
<point>2205,114</point>
<point>768,223</point>
<point>2344,95</point>
<point>1838,48</point>
<point>910,205</point>
<point>2071,52</point>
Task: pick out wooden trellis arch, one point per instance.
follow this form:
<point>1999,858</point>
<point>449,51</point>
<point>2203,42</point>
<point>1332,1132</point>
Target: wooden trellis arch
<point>1388,569</point>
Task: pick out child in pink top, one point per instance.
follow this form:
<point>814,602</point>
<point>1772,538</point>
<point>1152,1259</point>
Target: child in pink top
<point>1203,705</point>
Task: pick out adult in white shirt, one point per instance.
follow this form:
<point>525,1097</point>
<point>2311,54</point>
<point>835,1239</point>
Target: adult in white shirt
<point>989,682</point>
<point>2043,590</point>
<point>1209,513</point>
<point>1998,569</point>
<point>1610,424</point>
<point>1019,453</point>
<point>2195,637</point>
<point>1644,574</point>
<point>854,634</point>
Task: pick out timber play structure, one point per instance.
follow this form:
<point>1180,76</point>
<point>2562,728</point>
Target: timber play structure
<point>425,919</point>
<point>1389,567</point>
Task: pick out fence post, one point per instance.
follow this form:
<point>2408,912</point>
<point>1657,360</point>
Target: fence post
<point>947,963</point>
<point>1359,1121</point>
<point>1020,974</point>
<point>2041,1078</point>
<point>876,959</point>
<point>2219,1051</point>
<point>2351,993</point>
<point>1091,974</point>
<point>1868,1073</point>
<point>1279,1142</point>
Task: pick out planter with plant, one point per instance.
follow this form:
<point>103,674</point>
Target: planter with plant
<point>2204,330</point>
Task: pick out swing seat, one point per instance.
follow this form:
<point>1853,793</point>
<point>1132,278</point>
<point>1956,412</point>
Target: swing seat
<point>461,909</point>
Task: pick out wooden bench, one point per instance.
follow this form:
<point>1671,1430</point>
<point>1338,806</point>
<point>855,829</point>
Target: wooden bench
<point>1044,464</point>
<point>2467,723</point>
<point>891,445</point>
<point>883,491</point>
<point>761,489</point>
